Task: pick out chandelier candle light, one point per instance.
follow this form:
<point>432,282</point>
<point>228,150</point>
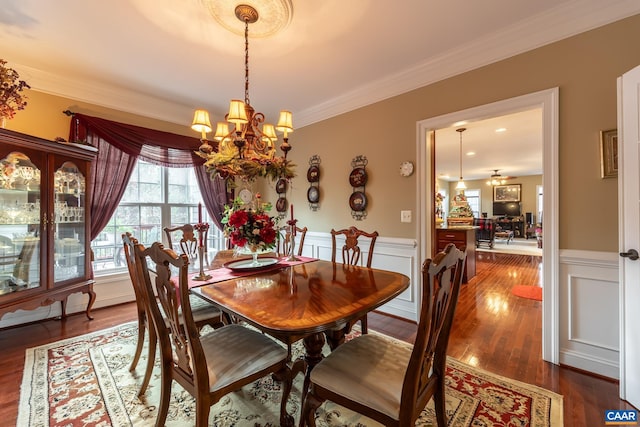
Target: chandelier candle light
<point>247,150</point>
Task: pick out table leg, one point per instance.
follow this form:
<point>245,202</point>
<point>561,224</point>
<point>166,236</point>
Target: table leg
<point>313,345</point>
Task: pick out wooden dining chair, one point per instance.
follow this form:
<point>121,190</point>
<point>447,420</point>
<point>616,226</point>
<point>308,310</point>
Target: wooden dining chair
<point>208,366</point>
<point>203,312</point>
<point>351,253</point>
<point>284,243</point>
<point>393,382</point>
<point>185,239</point>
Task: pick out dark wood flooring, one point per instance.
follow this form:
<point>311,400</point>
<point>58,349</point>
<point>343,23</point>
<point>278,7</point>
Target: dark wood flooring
<point>493,330</point>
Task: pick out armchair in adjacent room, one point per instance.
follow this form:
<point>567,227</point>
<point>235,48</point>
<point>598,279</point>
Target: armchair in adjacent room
<point>486,231</point>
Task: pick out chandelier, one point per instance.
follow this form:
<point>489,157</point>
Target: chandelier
<point>244,145</point>
<point>461,185</point>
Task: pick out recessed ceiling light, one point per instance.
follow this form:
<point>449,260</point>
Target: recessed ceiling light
<point>501,130</point>
<point>460,123</point>
<point>471,153</point>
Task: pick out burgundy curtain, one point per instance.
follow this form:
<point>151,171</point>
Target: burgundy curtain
<point>120,146</point>
<point>214,194</point>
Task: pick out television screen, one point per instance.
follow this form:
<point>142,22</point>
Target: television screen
<point>506,209</point>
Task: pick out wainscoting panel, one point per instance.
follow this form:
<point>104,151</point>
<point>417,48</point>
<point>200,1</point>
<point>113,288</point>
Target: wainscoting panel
<point>589,311</point>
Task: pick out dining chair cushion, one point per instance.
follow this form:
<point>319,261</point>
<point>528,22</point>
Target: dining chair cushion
<point>377,381</point>
<point>234,352</point>
<point>201,309</point>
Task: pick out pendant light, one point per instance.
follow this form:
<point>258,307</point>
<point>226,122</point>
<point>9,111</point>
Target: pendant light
<point>461,185</point>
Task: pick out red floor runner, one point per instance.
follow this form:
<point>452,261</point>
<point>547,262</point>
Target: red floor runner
<point>531,292</point>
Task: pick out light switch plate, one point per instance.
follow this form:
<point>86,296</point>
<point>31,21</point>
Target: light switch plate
<point>405,216</point>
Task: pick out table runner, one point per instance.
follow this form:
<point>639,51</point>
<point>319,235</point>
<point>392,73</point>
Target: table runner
<point>222,273</point>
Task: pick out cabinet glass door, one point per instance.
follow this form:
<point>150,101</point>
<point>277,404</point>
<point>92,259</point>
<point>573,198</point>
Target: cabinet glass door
<point>68,215</point>
<point>19,223</point>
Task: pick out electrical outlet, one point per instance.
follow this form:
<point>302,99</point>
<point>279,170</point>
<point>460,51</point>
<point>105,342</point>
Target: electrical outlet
<point>405,216</point>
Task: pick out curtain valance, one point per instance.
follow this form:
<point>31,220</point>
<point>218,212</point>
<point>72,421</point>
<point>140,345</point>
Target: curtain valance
<point>153,146</point>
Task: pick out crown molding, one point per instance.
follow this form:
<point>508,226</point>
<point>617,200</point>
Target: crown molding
<point>513,40</point>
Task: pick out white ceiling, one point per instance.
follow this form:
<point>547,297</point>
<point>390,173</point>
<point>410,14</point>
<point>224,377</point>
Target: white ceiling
<point>163,58</point>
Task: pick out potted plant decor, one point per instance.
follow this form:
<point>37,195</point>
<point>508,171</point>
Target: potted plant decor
<point>11,98</point>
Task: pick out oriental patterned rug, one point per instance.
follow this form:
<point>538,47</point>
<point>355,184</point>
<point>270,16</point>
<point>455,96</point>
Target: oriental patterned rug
<point>85,381</point>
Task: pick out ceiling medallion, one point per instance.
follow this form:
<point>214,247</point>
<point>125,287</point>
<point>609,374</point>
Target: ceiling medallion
<point>275,15</point>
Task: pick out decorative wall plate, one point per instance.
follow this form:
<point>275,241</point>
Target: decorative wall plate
<point>313,173</point>
<point>358,177</point>
<point>281,186</point>
<point>313,194</point>
<point>281,204</point>
<point>358,201</point>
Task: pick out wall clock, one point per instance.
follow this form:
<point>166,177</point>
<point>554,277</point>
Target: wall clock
<point>245,195</point>
<point>406,168</point>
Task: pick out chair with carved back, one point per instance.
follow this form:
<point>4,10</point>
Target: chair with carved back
<point>207,366</point>
<point>185,239</point>
<point>284,242</point>
<point>394,381</point>
<point>204,313</point>
<point>351,252</point>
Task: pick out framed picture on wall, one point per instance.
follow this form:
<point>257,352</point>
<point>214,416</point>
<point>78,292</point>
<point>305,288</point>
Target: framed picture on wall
<point>506,193</point>
<point>609,153</point>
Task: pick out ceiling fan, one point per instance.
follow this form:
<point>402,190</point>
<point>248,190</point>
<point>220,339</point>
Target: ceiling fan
<point>497,179</point>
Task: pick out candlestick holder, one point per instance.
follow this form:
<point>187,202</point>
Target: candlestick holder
<point>201,228</point>
<point>292,240</point>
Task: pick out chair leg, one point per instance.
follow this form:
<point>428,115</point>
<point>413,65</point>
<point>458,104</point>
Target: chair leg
<point>286,377</point>
<point>364,325</point>
<point>165,394</point>
<point>151,359</point>
<point>308,414</point>
<point>439,403</point>
<point>136,355</point>
<point>203,406</point>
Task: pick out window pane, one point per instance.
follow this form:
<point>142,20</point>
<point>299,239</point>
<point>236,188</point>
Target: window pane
<point>183,186</point>
<point>143,213</point>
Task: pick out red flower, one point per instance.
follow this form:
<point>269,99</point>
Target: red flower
<point>268,234</point>
<point>237,238</point>
<point>238,218</point>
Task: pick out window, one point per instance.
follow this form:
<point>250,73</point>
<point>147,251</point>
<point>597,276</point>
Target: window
<point>156,197</point>
<point>473,198</point>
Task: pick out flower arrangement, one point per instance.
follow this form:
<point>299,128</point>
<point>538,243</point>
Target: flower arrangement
<point>11,99</point>
<point>250,226</point>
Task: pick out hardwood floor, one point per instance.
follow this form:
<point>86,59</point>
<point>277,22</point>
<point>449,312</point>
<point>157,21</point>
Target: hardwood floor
<point>493,330</point>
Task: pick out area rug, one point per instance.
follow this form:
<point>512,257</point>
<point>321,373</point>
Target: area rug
<point>85,381</point>
<point>528,291</point>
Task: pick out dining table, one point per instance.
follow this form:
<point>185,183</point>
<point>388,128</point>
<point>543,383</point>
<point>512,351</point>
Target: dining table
<point>306,299</point>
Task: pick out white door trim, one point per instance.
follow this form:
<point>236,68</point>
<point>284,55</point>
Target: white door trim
<point>548,101</point>
<point>629,232</point>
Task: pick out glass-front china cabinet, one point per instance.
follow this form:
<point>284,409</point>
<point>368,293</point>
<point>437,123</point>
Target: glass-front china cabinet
<point>44,222</point>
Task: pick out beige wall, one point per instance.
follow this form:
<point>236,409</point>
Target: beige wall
<point>584,67</point>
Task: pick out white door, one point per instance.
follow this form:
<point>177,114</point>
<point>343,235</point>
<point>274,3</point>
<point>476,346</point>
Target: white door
<point>629,234</point>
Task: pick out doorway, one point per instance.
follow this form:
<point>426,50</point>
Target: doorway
<point>547,100</point>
